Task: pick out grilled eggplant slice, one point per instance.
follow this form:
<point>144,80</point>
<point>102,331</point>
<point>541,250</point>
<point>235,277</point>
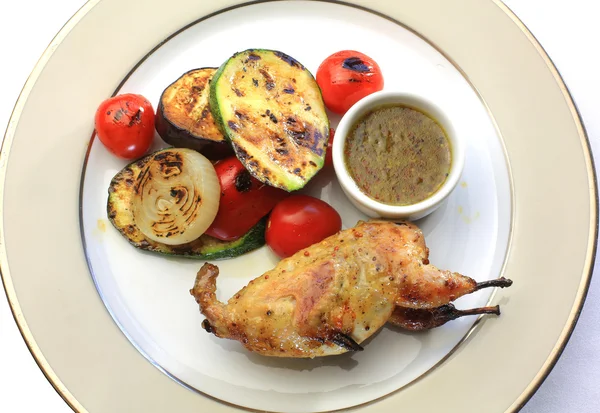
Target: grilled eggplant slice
<point>184,119</point>
<point>122,193</point>
<point>271,109</point>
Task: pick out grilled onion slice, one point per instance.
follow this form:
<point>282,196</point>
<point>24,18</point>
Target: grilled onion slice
<point>176,196</point>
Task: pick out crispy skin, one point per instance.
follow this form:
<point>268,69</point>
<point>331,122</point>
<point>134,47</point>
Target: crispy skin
<point>331,296</point>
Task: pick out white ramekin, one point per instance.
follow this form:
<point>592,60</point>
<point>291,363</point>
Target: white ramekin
<point>377,209</point>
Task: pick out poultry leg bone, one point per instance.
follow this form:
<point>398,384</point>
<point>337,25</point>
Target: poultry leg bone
<point>425,319</point>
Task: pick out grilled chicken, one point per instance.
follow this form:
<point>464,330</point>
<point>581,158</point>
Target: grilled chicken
<point>333,295</point>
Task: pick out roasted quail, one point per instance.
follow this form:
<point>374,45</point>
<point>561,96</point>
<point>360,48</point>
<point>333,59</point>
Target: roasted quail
<point>333,295</point>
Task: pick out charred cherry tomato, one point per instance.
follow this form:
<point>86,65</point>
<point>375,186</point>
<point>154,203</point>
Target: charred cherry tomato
<point>298,222</point>
<point>244,200</point>
<point>328,154</point>
<point>125,125</point>
<point>346,77</point>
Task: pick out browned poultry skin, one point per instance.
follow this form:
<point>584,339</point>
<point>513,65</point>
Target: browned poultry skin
<point>331,296</point>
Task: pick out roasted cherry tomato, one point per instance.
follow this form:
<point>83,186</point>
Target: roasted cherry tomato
<point>328,154</point>
<point>298,222</point>
<point>125,125</point>
<point>346,77</point>
<point>244,200</point>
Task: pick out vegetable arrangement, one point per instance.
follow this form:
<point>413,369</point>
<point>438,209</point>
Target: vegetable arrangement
<point>123,194</point>
<point>243,137</point>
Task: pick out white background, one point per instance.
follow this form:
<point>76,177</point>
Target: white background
<point>567,29</point>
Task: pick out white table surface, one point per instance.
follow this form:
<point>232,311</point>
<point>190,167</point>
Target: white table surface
<point>568,30</point>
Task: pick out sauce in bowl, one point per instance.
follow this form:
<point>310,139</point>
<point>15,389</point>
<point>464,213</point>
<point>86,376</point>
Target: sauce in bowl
<point>398,155</point>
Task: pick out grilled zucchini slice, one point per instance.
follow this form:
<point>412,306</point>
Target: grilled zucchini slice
<point>183,118</point>
<point>121,193</point>
<point>271,109</point>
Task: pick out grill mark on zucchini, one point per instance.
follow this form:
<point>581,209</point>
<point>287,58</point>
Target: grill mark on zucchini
<point>277,125</point>
<point>269,82</point>
<point>232,125</point>
<point>289,60</point>
<point>122,189</point>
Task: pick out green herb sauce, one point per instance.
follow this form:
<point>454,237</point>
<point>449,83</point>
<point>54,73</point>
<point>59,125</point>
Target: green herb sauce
<point>398,155</point>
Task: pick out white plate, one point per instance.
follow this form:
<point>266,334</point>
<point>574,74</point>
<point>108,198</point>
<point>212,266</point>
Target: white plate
<point>91,362</point>
<point>147,295</point>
